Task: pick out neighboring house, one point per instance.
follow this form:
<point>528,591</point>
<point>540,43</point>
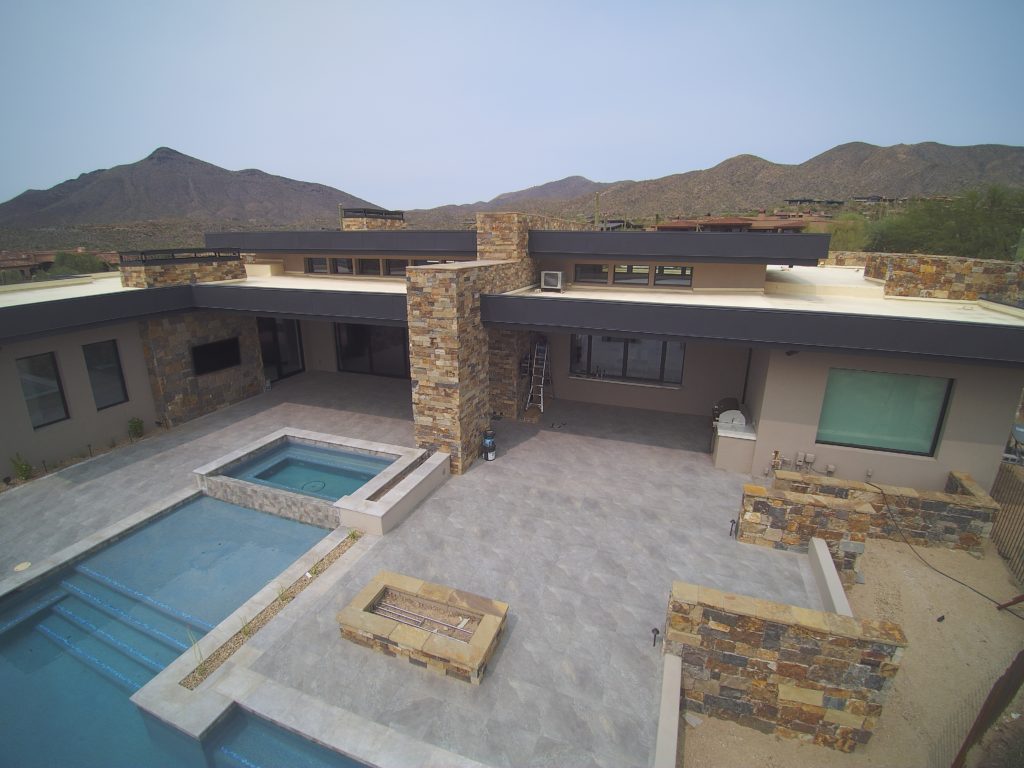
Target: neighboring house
<point>827,365</point>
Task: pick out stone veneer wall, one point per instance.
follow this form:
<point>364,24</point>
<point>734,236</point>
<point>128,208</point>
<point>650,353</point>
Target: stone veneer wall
<point>818,677</point>
<point>178,394</point>
<point>453,390</point>
<point>846,513</point>
<point>948,277</point>
<point>844,259</point>
<point>159,275</point>
<point>508,388</point>
<point>358,223</point>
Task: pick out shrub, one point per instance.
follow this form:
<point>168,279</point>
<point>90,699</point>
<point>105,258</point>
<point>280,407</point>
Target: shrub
<point>22,469</point>
<point>135,428</point>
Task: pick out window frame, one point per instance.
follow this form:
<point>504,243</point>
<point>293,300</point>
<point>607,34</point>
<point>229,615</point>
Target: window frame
<point>120,374</point>
<point>622,378</point>
<point>940,419</point>
<point>60,389</point>
<point>312,262</point>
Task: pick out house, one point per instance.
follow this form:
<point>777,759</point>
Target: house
<point>834,372</point>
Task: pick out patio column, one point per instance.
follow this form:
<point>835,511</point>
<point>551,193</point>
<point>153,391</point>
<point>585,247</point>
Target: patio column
<point>454,391</point>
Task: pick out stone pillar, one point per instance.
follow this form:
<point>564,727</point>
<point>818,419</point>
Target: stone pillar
<point>454,390</point>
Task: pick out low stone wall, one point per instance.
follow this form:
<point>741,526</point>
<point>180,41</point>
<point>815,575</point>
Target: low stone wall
<point>818,677</point>
<point>844,259</point>
<point>788,520</point>
<point>947,277</point>
<point>157,275</point>
<point>845,513</point>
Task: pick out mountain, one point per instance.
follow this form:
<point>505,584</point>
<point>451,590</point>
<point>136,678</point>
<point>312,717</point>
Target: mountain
<point>170,186</point>
<point>169,199</point>
<point>747,182</point>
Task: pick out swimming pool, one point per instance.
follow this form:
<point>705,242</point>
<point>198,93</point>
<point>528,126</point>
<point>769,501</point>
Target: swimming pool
<point>326,473</point>
<point>74,648</point>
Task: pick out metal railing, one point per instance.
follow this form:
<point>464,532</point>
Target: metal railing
<point>1008,532</point>
<point>178,256</point>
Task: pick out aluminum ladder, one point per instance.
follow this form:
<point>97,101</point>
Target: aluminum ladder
<point>538,375</point>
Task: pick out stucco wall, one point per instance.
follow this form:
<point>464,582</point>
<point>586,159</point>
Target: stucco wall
<point>756,380</point>
<point>318,346</point>
<point>710,372</point>
<point>981,410</point>
<point>85,424</point>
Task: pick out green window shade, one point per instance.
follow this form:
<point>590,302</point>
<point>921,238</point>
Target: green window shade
<point>885,411</point>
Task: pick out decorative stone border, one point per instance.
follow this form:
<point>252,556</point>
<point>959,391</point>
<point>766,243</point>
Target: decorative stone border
<point>376,507</point>
<point>465,661</point>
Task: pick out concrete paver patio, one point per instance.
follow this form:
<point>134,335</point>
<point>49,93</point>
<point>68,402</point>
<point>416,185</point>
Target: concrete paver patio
<point>580,525</point>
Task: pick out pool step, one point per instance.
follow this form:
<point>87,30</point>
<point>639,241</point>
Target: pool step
<point>131,613</point>
<point>96,655</point>
<point>250,742</point>
<point>121,637</point>
<point>31,609</point>
<point>201,627</point>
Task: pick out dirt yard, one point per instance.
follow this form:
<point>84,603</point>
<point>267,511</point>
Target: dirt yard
<point>958,645</point>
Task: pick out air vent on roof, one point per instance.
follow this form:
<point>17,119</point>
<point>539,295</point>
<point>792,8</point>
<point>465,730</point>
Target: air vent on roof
<point>551,281</point>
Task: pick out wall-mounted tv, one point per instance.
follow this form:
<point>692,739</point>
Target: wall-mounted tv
<point>216,356</point>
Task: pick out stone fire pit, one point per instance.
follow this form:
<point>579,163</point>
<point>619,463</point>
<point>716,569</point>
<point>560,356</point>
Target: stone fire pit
<point>447,630</point>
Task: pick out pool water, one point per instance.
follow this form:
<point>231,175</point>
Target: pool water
<point>321,472</point>
<point>75,648</point>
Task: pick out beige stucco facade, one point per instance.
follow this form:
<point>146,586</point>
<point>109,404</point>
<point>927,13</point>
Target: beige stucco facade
<point>786,403</point>
<point>85,424</point>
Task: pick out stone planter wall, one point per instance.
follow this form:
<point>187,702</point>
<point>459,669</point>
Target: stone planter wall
<point>846,513</point>
<point>947,277</point>
<point>817,677</point>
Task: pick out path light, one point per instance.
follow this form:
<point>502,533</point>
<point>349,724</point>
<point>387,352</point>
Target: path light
<point>654,638</point>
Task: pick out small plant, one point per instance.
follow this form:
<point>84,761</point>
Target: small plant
<point>22,469</point>
<point>135,428</point>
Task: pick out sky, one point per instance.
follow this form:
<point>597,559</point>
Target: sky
<point>418,104</point>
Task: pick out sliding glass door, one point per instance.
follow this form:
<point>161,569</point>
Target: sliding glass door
<point>280,346</point>
<point>382,350</point>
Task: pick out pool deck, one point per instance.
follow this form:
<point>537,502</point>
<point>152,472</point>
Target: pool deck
<point>581,525</point>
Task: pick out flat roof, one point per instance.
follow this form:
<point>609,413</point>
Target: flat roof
<point>375,241</point>
<point>55,290</point>
<point>712,247</point>
<point>831,290</point>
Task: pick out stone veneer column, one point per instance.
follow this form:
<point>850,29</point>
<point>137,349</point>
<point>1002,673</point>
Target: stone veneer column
<point>160,275</point>
<point>454,391</point>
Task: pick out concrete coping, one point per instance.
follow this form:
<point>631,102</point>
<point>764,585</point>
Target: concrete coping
<point>823,622</point>
<point>833,596</point>
<point>461,265</point>
<point>81,549</point>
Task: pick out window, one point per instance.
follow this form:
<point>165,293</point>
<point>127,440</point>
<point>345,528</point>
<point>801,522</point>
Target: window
<point>396,267</point>
<point>681,276</point>
<point>216,356</point>
<point>44,394</point>
<point>631,274</point>
<point>895,412</point>
<point>626,359</point>
<point>316,265</point>
<point>591,273</point>
<point>341,266</point>
<point>368,266</point>
<point>105,375</point>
